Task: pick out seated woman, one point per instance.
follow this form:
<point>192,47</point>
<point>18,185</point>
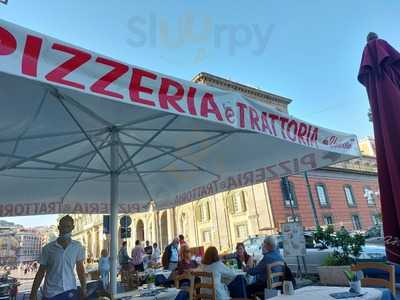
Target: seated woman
<point>185,264</point>
<point>243,259</point>
<point>222,274</point>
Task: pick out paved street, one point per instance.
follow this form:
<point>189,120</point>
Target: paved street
<point>26,281</point>
<point>24,289</point>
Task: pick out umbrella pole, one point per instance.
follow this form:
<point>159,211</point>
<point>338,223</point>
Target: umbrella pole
<point>114,211</point>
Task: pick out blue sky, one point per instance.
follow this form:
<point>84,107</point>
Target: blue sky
<point>308,51</point>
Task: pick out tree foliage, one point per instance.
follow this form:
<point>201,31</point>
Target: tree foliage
<point>346,247</point>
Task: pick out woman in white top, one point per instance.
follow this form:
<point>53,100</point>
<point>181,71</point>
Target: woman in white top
<point>156,254</point>
<point>222,274</point>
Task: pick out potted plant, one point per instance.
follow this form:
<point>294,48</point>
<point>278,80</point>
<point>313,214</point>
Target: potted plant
<point>151,281</point>
<point>346,248</point>
<point>354,279</point>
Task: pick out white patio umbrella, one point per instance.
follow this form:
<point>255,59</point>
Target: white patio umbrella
<point>83,133</point>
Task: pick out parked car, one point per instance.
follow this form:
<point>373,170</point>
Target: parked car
<point>316,253</point>
<point>374,236</point>
<point>374,232</point>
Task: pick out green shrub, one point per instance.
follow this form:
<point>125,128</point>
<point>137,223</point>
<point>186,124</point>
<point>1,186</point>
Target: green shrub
<point>346,247</point>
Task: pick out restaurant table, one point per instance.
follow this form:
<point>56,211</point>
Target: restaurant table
<point>165,273</point>
<point>162,277</point>
<point>166,294</point>
<point>323,293</point>
<point>92,272</point>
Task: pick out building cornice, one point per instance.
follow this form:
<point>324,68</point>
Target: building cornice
<point>347,170</point>
<point>239,87</point>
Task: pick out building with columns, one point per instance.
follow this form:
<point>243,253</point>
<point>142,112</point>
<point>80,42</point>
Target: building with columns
<point>345,194</point>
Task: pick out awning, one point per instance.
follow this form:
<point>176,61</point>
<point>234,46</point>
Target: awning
<point>63,107</point>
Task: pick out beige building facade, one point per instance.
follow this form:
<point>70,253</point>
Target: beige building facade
<point>221,220</point>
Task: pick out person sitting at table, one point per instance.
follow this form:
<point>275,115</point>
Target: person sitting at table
<point>148,249</point>
<point>270,255</point>
<point>222,274</point>
<point>137,257</point>
<point>242,258</point>
<point>156,254</point>
<point>186,263</point>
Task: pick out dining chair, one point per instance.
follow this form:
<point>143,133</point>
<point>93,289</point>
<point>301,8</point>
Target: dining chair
<point>178,278</point>
<point>203,288</point>
<point>275,278</point>
<point>134,280</point>
<point>369,281</point>
<point>124,279</point>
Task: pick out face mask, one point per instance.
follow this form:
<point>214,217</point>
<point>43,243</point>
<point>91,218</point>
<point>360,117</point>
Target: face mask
<point>66,236</point>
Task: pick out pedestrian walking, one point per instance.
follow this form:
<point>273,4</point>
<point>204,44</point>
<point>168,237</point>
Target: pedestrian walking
<point>104,268</point>
<point>57,263</point>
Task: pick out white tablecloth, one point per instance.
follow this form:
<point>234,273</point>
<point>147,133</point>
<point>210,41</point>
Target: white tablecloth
<point>322,293</point>
<point>169,294</point>
<point>165,273</point>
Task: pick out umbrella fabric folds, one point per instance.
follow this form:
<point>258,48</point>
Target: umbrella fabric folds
<point>380,74</point>
<point>63,108</point>
<point>83,133</point>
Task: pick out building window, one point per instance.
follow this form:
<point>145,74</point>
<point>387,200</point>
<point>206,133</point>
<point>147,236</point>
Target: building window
<point>289,197</point>
<point>369,195</point>
<point>376,219</point>
<point>328,220</point>
<point>294,218</point>
<point>237,203</point>
<point>203,212</point>
<point>348,191</point>
<point>355,219</point>
<point>322,195</point>
<point>206,234</point>
<point>241,231</point>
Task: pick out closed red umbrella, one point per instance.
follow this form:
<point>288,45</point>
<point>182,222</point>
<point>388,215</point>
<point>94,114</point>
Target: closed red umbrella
<point>380,74</point>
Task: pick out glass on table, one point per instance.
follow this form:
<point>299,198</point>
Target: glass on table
<point>270,293</point>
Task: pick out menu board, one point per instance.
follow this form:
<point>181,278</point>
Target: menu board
<point>294,243</point>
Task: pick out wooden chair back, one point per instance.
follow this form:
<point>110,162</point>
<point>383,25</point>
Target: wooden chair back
<point>184,276</point>
<point>272,282</point>
<point>124,276</point>
<point>203,289</point>
<point>368,281</point>
<point>134,280</point>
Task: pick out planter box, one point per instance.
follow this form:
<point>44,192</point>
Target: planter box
<point>333,275</point>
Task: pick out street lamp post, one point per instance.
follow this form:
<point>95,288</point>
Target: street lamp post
<point>311,199</point>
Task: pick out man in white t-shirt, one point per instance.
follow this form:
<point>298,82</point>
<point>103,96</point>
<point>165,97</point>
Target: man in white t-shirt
<point>57,263</point>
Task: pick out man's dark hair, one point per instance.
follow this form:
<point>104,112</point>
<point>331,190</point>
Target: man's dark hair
<point>124,243</point>
<point>137,242</point>
<point>66,218</point>
<point>181,237</point>
<point>155,245</point>
<point>147,242</point>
